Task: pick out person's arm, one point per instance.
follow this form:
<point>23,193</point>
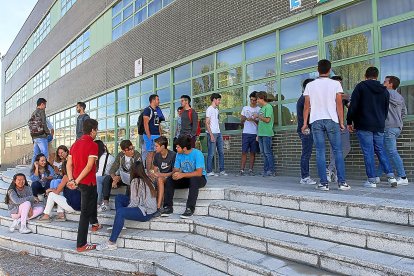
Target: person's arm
<point>387,103</point>
<point>60,187</point>
<point>52,172</point>
<point>69,167</point>
<point>340,110</point>
<point>115,165</point>
<point>194,122</point>
<point>265,117</point>
<point>208,122</point>
<point>13,196</point>
<point>353,108</point>
<point>43,118</point>
<point>146,126</point>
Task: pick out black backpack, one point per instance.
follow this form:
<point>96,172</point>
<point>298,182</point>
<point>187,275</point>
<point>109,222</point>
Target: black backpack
<point>140,124</point>
<point>35,125</point>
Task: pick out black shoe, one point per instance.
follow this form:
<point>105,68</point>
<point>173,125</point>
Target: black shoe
<point>188,213</point>
<point>157,213</point>
<point>166,211</point>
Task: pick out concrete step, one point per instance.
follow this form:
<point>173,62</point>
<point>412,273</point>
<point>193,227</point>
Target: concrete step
<point>388,238</point>
<point>128,260</point>
<point>219,255</point>
<point>325,255</point>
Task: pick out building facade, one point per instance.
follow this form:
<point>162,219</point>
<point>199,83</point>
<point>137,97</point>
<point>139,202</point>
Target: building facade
<point>87,50</point>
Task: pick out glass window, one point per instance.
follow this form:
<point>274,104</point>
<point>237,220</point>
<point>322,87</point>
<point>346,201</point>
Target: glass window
<point>139,4</point>
<point>154,6</point>
<point>350,46</point>
<point>93,103</point>
<point>122,107</point>
<point>182,72</point>
<point>117,8</point>
<point>127,25</point>
<point>163,79</point>
<point>145,100</point>
<point>102,112</point>
<point>352,73</point>
<point>347,18</point>
<point>203,84</point>
<point>408,93</point>
<point>400,65</point>
<point>166,2</point>
<point>128,11</point>
<point>116,20</point>
<point>300,59</point>
<point>397,35</point>
<point>147,85</point>
<point>229,56</point>
<point>262,46</point>
<point>269,87</point>
<point>299,34</point>
<point>261,69</point>
<point>134,104</point>
<point>134,89</point>
<point>230,77</point>
<point>387,8</point>
<point>289,115</point>
<point>164,95</point>
<point>121,121</point>
<point>182,89</point>
<point>102,100</point>
<point>141,16</point>
<point>110,123</point>
<point>203,65</point>
<point>292,87</point>
<point>122,94</point>
<point>133,119</point>
<point>110,97</point>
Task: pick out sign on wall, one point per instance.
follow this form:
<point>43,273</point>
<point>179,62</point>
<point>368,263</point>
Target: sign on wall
<point>138,67</point>
<point>295,4</point>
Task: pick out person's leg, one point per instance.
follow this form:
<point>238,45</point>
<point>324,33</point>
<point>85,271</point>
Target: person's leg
<point>381,154</point>
<point>82,237</point>
<point>169,192</point>
<point>366,141</point>
<point>261,145</point>
<point>121,201</point>
<point>24,209</point>
<point>93,212</point>
<point>193,141</point>
<point>318,133</point>
<point>106,188</point>
<point>160,193</point>
<point>99,188</point>
<point>38,210</point>
<point>50,203</point>
<point>36,149</point>
<point>37,188</point>
<point>195,183</point>
<point>390,144</point>
<point>43,146</point>
<point>61,203</point>
<point>245,148</point>
<point>269,154</point>
<point>254,148</point>
<point>150,148</point>
<point>334,135</point>
<point>346,143</point>
<point>220,150</point>
<point>307,144</point>
<point>210,155</point>
<point>122,214</point>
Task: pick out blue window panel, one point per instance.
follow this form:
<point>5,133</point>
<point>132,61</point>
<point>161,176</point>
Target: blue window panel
<point>140,16</point>
<point>300,59</point>
<point>163,79</point>
<point>128,11</point>
<point>261,69</point>
<point>387,8</point>
<point>166,2</point>
<point>117,8</point>
<point>262,46</point>
<point>299,34</point>
<point>154,7</point>
<point>182,72</point>
<point>203,65</point>
<point>164,95</point>
<point>139,4</point>
<point>182,89</point>
<point>397,35</point>
<point>147,85</point>
<point>127,25</point>
<point>229,56</point>
<point>116,20</point>
<point>400,65</point>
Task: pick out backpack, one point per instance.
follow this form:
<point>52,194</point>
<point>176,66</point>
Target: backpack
<point>141,128</point>
<point>190,115</point>
<point>35,124</point>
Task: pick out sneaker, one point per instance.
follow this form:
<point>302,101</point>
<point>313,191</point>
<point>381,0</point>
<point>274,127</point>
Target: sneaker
<point>322,187</point>
<point>223,173</point>
<point>402,181</point>
<point>344,187</point>
<point>157,213</point>
<point>212,174</point>
<point>369,184</point>
<point>328,175</point>
<point>268,173</point>
<point>106,246</point>
<point>188,213</point>
<point>166,211</point>
<point>111,227</point>
<point>96,227</point>
<point>251,173</point>
<point>24,230</point>
<point>241,173</point>
<point>377,180</point>
<point>14,225</point>
<point>103,208</point>
<point>307,181</point>
<point>392,181</point>
<point>86,247</point>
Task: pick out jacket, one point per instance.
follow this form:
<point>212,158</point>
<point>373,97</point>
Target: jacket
<point>42,114</point>
<point>397,110</point>
<point>120,162</point>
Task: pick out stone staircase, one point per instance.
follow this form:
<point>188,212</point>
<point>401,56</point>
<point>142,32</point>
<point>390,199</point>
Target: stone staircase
<point>246,226</point>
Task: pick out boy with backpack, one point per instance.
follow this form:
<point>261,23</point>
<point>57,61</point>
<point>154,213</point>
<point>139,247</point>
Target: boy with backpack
<point>190,126</point>
<point>39,130</point>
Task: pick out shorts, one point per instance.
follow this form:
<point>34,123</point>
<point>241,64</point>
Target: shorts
<point>149,143</point>
<point>249,143</point>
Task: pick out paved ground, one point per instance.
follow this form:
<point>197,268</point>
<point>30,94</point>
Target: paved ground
<point>18,263</point>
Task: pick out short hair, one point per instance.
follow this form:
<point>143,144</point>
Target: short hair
<point>188,98</point>
<point>89,125</point>
<point>82,104</point>
<point>184,142</point>
<point>395,81</point>
<point>125,144</point>
<point>253,94</point>
<point>215,96</point>
<point>372,73</point>
<point>324,66</point>
<point>337,78</point>
<point>162,141</point>
<point>41,101</point>
<point>305,82</point>
<point>180,108</point>
<point>262,95</point>
<point>152,97</point>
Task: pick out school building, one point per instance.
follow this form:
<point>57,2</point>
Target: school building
<point>114,54</point>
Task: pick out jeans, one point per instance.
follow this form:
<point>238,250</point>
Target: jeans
<point>211,149</point>
<point>88,213</point>
<point>40,145</point>
<point>99,187</point>
<point>265,144</point>
<point>193,184</point>
<point>332,130</point>
<point>55,183</point>
<point>307,144</point>
<point>107,187</point>
<point>373,142</point>
<point>39,187</point>
<point>346,148</point>
<point>122,213</point>
<point>390,144</point>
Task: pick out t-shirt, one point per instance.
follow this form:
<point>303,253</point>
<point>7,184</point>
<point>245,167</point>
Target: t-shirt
<point>164,165</point>
<point>213,114</point>
<point>266,129</point>
<point>80,151</point>
<point>190,162</point>
<point>322,95</point>
<point>79,125</point>
<point>124,171</point>
<point>154,122</point>
<point>250,127</point>
<point>109,163</point>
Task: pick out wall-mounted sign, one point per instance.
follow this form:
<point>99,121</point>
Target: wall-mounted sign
<point>138,67</point>
<point>295,4</point>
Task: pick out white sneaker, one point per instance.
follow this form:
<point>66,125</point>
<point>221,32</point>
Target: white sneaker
<point>14,225</point>
<point>369,184</point>
<point>106,246</point>
<point>402,182</point>
<point>322,187</point>
<point>328,175</point>
<point>111,227</point>
<point>212,174</point>
<point>103,208</point>
<point>24,230</point>
<point>307,181</point>
<point>392,181</point>
<point>344,187</point>
<point>223,173</point>
<point>377,180</point>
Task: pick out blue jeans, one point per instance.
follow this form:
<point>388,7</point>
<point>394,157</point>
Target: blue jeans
<point>211,149</point>
<point>99,187</point>
<point>122,213</point>
<point>55,183</point>
<point>390,144</point>
<point>307,145</point>
<point>40,145</point>
<point>265,144</point>
<point>346,148</point>
<point>332,130</point>
<point>373,142</point>
<point>39,188</point>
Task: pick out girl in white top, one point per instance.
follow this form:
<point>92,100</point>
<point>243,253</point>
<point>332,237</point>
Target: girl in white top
<point>105,161</point>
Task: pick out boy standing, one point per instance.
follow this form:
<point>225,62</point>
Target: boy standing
<point>80,108</point>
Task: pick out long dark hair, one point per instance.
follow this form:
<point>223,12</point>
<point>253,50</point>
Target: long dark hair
<point>138,171</point>
<point>61,147</point>
<point>63,169</point>
<point>40,155</point>
<point>13,186</point>
<point>101,150</point>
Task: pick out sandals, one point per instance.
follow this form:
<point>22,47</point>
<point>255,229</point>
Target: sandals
<point>44,220</point>
<point>63,218</point>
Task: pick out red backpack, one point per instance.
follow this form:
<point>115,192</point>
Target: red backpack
<point>190,115</point>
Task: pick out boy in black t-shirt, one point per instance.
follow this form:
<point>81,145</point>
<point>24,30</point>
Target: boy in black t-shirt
<point>164,160</point>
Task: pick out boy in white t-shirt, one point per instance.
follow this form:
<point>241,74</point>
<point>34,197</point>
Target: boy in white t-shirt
<point>249,135</point>
<point>214,137</point>
<point>323,99</point>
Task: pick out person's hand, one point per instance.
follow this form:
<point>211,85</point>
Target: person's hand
<point>72,185</point>
<point>49,190</point>
<point>36,164</point>
<point>116,179</point>
<point>305,126</point>
<point>177,175</point>
<point>212,138</point>
<point>30,214</point>
<point>114,185</point>
<point>350,128</point>
<point>342,127</point>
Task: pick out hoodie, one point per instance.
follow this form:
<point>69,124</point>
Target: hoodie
<point>369,106</point>
<point>396,110</point>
